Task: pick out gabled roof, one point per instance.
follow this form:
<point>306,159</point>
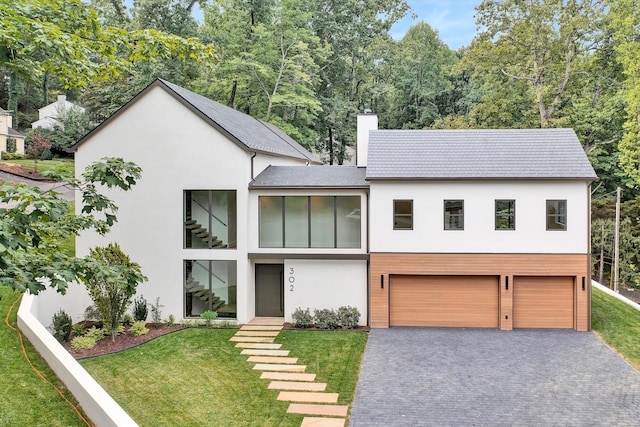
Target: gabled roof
<point>477,154</point>
<point>251,134</point>
<point>13,132</point>
<point>310,177</point>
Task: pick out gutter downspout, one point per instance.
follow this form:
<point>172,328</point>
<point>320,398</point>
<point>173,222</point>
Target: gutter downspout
<point>253,156</point>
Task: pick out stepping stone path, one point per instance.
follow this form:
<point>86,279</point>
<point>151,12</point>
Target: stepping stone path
<point>256,339</point>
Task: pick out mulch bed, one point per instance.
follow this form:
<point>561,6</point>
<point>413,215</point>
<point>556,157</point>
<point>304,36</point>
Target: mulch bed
<point>123,341</point>
<point>22,171</point>
<point>290,326</point>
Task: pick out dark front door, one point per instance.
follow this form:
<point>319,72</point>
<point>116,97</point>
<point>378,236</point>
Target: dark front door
<point>270,290</point>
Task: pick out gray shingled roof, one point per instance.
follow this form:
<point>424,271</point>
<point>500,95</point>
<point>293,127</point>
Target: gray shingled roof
<point>311,176</point>
<point>253,134</point>
<point>477,154</point>
<point>249,133</point>
<point>13,132</point>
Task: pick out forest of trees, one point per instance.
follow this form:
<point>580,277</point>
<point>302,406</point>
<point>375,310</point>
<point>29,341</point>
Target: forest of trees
<point>309,66</point>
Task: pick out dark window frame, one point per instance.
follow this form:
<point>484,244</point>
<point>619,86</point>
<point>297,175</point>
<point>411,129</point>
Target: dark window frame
<point>397,216</point>
<point>509,216</point>
<point>556,218</point>
<point>447,224</point>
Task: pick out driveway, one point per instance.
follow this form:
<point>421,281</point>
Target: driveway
<point>485,377</point>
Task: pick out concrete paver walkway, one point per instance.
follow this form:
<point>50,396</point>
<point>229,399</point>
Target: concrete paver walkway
<point>483,377</point>
<point>298,385</point>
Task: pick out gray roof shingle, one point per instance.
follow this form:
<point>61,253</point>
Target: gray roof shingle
<point>310,177</point>
<point>477,154</point>
<point>253,134</point>
<point>248,132</point>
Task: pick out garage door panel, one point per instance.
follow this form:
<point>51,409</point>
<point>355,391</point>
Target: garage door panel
<point>452,301</point>
<point>543,302</point>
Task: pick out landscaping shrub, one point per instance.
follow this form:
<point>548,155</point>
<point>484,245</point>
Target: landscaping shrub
<point>208,316</point>
<point>12,156</point>
<point>325,319</point>
<point>226,324</point>
<point>95,333</point>
<point>83,342</point>
<point>139,328</point>
<point>91,313</point>
<point>79,329</point>
<point>62,325</point>
<point>302,318</point>
<point>156,311</point>
<point>127,319</point>
<point>347,317</point>
<point>171,320</point>
<point>140,309</point>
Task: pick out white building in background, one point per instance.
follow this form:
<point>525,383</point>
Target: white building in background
<point>469,228</point>
<point>7,133</point>
<point>51,114</point>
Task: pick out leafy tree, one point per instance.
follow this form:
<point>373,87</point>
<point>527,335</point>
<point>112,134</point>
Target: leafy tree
<point>111,279</point>
<point>37,144</point>
<point>69,128</point>
<point>34,224</point>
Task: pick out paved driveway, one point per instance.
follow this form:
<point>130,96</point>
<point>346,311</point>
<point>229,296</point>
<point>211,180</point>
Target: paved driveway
<point>478,377</point>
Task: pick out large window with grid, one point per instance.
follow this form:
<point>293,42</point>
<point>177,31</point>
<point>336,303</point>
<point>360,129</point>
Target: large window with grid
<point>557,215</point>
<point>403,214</point>
<point>454,214</point>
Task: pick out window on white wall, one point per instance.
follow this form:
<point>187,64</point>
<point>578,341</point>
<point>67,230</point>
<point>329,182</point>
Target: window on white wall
<point>210,285</point>
<point>505,214</point>
<point>403,214</point>
<point>454,214</point>
<point>210,219</point>
<point>309,221</point>
<point>556,215</point>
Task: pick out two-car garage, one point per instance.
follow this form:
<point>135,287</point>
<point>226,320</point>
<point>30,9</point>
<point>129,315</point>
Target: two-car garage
<point>475,301</point>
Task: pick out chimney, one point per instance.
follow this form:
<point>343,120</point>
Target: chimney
<point>366,121</point>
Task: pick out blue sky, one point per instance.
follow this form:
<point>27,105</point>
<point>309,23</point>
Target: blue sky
<point>452,19</point>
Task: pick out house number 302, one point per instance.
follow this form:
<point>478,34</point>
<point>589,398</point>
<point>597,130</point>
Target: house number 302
<point>292,279</point>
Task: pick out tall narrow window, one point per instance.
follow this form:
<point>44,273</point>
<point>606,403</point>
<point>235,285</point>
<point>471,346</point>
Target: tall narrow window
<point>403,214</point>
<point>271,222</point>
<point>296,225</point>
<point>322,221</point>
<point>505,214</point>
<point>454,214</point>
<point>348,222</point>
<point>556,215</point>
<point>210,219</point>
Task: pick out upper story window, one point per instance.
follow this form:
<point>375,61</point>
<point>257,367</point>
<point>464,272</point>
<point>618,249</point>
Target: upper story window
<point>403,214</point>
<point>454,214</point>
<point>505,214</point>
<point>309,221</point>
<point>556,214</point>
<point>210,219</point>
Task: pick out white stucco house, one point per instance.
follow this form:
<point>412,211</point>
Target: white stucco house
<point>486,228</point>
<point>50,115</point>
<point>7,132</point>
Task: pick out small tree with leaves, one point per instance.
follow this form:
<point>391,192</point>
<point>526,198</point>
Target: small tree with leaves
<point>37,144</point>
<point>111,280</point>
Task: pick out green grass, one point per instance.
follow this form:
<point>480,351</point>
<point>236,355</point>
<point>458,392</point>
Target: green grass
<point>618,324</point>
<point>67,165</point>
<point>197,377</point>
<point>25,400</point>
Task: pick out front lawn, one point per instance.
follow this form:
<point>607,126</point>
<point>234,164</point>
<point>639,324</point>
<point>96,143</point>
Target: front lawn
<point>197,377</point>
<point>66,165</point>
<point>618,324</point>
<point>26,400</point>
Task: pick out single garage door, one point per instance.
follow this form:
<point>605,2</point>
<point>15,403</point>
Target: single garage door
<point>456,301</point>
<point>543,302</point>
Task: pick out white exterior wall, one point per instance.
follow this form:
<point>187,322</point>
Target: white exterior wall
<point>319,284</point>
<point>177,151</point>
<point>479,234</point>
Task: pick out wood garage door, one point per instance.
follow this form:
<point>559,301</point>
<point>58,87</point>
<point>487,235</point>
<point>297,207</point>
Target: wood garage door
<point>543,302</point>
<point>456,301</point>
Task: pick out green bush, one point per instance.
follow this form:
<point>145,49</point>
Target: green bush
<point>12,156</point>
<point>302,318</point>
<point>139,328</point>
<point>140,309</point>
<point>347,317</point>
<point>83,342</point>
<point>62,325</point>
<point>127,319</point>
<point>208,316</point>
<point>79,329</point>
<point>95,333</point>
<point>156,311</point>
<point>325,319</point>
<point>171,320</point>
<point>91,313</point>
<point>226,324</point>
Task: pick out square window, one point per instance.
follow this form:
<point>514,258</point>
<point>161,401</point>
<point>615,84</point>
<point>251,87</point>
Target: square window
<point>403,214</point>
<point>505,214</point>
<point>557,215</point>
<point>454,214</point>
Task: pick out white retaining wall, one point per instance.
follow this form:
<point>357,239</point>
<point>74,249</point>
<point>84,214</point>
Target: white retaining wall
<point>616,295</point>
<point>98,405</point>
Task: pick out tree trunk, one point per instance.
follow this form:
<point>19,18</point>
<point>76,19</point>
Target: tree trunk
<point>232,96</point>
<point>330,146</point>
<point>12,103</point>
